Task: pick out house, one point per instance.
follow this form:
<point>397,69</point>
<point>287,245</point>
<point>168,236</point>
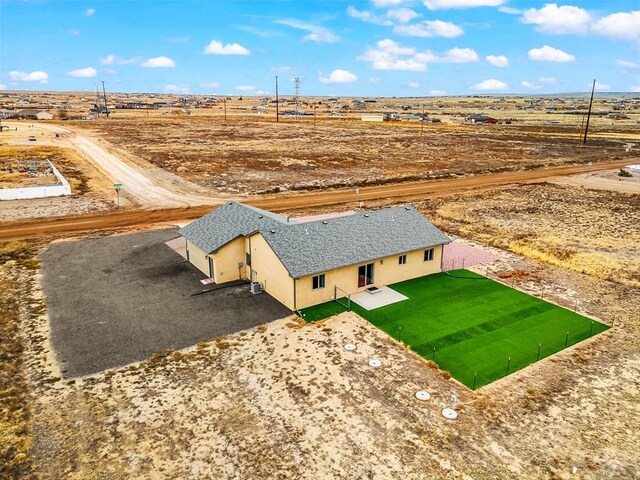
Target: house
<point>33,115</point>
<point>480,119</point>
<point>310,261</point>
<point>373,117</point>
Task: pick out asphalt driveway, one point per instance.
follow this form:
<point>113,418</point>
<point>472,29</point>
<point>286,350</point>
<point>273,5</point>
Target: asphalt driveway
<point>119,299</point>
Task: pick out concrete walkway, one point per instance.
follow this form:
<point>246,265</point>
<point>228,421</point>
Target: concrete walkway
<point>384,297</point>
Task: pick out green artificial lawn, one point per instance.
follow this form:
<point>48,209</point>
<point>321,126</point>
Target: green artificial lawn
<point>474,324</point>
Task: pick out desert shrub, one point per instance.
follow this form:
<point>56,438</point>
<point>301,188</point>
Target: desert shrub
<point>624,173</point>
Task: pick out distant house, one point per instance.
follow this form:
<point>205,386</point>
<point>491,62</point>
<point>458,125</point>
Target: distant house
<point>480,119</point>
<point>33,115</point>
<point>310,261</point>
<point>373,117</point>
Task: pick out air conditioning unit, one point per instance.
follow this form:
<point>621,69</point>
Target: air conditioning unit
<point>255,288</point>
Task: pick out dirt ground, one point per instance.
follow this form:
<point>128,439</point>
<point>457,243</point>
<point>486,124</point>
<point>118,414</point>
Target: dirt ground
<point>247,157</point>
<point>590,231</point>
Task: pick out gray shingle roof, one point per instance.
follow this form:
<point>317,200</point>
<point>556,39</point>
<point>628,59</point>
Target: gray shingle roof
<point>319,246</point>
<point>315,247</point>
<point>231,220</point>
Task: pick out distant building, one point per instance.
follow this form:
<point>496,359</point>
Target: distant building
<point>480,119</point>
<point>373,117</point>
<point>33,115</point>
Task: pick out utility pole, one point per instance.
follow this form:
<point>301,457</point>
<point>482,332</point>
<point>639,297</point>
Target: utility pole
<point>104,94</point>
<point>277,102</point>
<point>586,127</point>
<point>97,100</point>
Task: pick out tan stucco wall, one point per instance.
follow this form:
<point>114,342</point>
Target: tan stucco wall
<point>225,261</point>
<point>198,258</point>
<point>269,271</point>
<point>385,273</point>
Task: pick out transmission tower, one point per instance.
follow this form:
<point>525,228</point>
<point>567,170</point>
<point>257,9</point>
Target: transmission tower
<point>296,86</point>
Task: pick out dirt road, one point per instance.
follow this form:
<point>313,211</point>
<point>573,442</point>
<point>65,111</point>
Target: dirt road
<point>147,187</point>
<point>405,191</point>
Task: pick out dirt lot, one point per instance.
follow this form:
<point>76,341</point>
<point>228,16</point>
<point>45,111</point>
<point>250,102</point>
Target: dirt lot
<point>252,156</point>
<point>590,231</point>
<point>119,299</point>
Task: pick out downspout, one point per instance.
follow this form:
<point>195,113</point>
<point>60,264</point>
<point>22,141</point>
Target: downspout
<point>295,305</point>
<point>442,257</point>
<point>250,266</point>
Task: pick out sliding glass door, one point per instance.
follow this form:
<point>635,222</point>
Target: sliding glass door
<point>365,275</point>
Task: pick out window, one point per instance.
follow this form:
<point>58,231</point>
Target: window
<point>402,260</point>
<point>365,275</point>
<point>318,281</point>
<point>248,259</point>
<point>428,255</point>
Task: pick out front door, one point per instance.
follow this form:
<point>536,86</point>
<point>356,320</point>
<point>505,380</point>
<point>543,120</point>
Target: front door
<point>365,275</point>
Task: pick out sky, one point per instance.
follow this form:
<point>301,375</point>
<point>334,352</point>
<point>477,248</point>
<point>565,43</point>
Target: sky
<point>336,48</point>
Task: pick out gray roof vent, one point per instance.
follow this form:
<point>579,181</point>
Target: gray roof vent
<point>325,222</point>
<point>273,231</point>
<point>407,208</point>
<point>366,215</point>
<point>260,216</point>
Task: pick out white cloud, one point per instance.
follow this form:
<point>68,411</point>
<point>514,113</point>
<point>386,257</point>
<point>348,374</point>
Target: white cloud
<point>159,62</point>
<point>623,25</point>
<point>531,85</point>
<point>539,83</point>
<point>88,72</point>
<point>635,88</point>
<point>391,46</point>
<point>499,61</point>
<point>458,55</point>
<point>108,60</point>
<point>111,71</point>
<point>490,84</point>
<point>90,12</point>
<point>600,87</point>
<point>375,80</point>
<point>429,28</point>
<point>37,76</point>
<point>245,88</point>
<point>549,54</point>
<point>338,76</point>
<point>217,48</point>
<point>403,14</point>
<point>558,20</point>
<point>455,55</point>
<point>510,10</point>
<point>627,64</point>
<point>389,55</point>
<point>449,4</point>
<point>181,89</point>
<point>316,33</point>
<point>413,84</point>
<point>437,93</point>
<point>209,85</point>
<point>112,59</point>
<point>386,3</point>
<point>3,86</point>
<point>282,69</point>
<point>368,17</point>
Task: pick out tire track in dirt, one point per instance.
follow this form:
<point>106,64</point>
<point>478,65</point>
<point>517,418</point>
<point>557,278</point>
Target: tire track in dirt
<point>406,191</point>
